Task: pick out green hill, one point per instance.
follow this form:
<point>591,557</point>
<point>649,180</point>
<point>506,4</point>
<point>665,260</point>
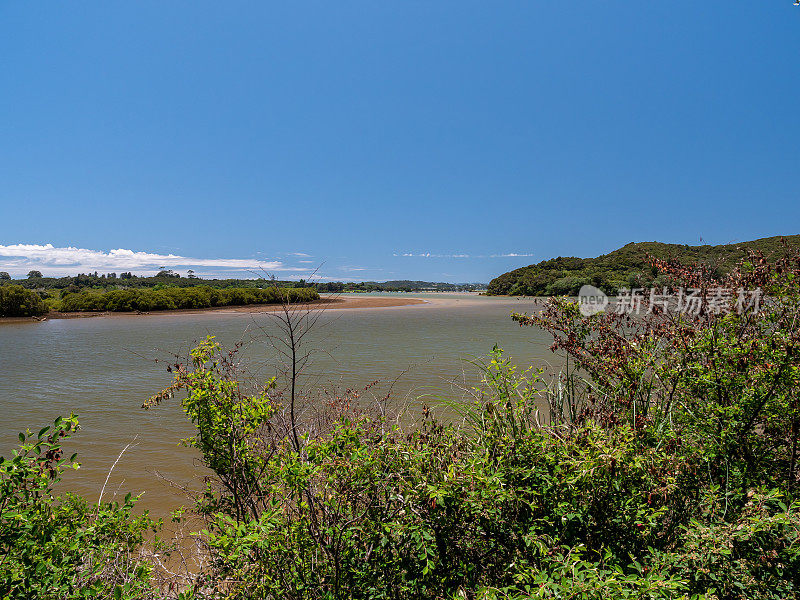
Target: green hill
<point>625,267</point>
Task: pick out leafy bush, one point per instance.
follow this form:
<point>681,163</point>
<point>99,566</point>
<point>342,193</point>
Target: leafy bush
<point>364,510</point>
<point>171,298</point>
<point>16,301</point>
<point>60,547</point>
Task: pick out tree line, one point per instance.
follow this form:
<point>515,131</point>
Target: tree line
<point>173,298</point>
<point>16,301</point>
<point>108,281</point>
<point>404,285</point>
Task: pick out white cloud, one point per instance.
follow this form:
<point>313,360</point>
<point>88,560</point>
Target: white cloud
<point>18,259</point>
<point>431,255</point>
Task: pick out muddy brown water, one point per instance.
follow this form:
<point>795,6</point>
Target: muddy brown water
<point>102,369</point>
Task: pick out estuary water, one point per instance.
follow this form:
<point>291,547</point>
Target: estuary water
<point>103,368</point>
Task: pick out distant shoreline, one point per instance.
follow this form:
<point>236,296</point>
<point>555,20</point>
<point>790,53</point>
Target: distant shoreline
<point>323,304</point>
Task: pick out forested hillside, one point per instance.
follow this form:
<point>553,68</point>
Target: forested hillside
<point>626,267</point>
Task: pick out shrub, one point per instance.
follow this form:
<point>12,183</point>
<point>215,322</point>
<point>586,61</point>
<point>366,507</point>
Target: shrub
<point>171,298</point>
<point>16,301</point>
<point>60,547</point>
<point>364,510</point>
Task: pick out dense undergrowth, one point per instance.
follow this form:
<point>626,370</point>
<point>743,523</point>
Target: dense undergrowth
<point>171,298</point>
<point>629,266</point>
<point>16,301</point>
<point>663,464</point>
<point>110,281</point>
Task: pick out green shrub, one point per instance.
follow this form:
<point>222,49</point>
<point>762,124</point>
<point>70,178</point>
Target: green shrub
<point>16,301</point>
<point>753,553</point>
<point>364,510</point>
<point>171,298</point>
<point>61,547</point>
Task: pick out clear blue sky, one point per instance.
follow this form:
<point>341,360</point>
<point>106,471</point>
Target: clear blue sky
<point>356,132</point>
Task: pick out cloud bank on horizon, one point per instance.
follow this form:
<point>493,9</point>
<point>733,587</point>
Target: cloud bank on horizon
<point>18,259</point>
<point>432,255</point>
<point>55,261</point>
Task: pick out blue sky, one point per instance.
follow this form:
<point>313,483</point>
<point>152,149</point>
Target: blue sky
<point>428,140</point>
